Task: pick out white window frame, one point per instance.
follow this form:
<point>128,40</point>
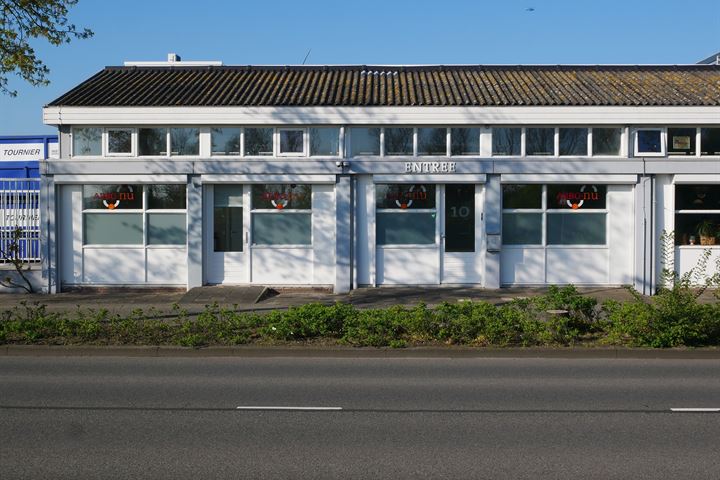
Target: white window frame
<point>285,211</point>
<point>699,140</point>
<point>133,142</point>
<point>240,141</point>
<point>416,135</point>
<point>319,127</point>
<point>663,142</point>
<point>449,140</point>
<point>591,150</point>
<point>677,212</point>
<point>144,211</point>
<point>72,141</point>
<point>588,139</point>
<point>492,141</point>
<point>383,153</point>
<point>555,141</point>
<point>169,140</point>
<point>348,141</point>
<point>278,142</point>
<point>409,212</point>
<point>544,210</point>
<point>273,141</point>
<point>682,155</point>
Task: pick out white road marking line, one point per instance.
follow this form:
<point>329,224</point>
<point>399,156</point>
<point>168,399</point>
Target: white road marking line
<point>320,409</point>
<point>695,409</point>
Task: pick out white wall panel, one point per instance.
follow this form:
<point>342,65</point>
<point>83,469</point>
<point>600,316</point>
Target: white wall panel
<point>408,266</point>
<point>464,268</point>
<point>581,266</point>
<point>282,266</point>
<point>167,266</point>
<point>70,234</point>
<point>226,267</point>
<point>114,266</point>
<point>688,258</point>
<point>621,233</point>
<point>522,266</point>
<point>364,222</point>
<point>323,235</point>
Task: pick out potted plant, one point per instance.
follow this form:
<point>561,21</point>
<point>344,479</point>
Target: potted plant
<point>707,231</point>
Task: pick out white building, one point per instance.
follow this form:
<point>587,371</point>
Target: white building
<point>185,173</point>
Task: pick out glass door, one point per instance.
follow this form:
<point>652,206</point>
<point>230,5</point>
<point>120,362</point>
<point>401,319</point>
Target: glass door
<point>461,262</point>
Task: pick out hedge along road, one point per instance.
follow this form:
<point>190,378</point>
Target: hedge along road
<point>80,417</point>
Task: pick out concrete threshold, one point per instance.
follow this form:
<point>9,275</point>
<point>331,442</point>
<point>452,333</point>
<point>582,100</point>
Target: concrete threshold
<point>254,351</point>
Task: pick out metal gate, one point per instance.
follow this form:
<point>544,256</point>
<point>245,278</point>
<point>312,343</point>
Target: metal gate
<point>19,219</point>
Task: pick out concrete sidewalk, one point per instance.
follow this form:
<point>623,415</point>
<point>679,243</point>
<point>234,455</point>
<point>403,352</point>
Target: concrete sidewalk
<point>258,298</point>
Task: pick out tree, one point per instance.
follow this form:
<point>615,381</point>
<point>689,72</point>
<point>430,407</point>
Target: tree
<point>24,20</point>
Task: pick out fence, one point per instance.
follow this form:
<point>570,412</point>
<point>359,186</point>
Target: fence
<point>20,211</point>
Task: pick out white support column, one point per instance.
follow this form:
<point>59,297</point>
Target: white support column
<point>493,217</point>
<point>194,232</point>
<point>343,235</point>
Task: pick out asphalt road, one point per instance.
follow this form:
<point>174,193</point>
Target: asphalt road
<point>102,417</point>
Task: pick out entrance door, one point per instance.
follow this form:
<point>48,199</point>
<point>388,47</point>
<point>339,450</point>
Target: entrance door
<point>461,227</point>
<point>226,234</point>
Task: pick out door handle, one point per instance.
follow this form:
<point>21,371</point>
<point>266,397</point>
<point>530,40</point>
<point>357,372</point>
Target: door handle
<point>247,238</point>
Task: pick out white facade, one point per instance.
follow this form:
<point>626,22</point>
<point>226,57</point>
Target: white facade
<point>387,213</point>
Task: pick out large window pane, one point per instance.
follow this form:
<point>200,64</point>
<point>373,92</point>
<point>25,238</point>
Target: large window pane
<point>649,141</point>
<point>113,228</point>
<point>522,229</point>
<point>697,228</point>
<point>506,141</point>
<point>166,197</point>
<point>258,141</point>
<point>112,197</point>
<point>405,196</point>
<point>459,218</point>
<point>228,229</point>
<point>225,141</point>
<point>407,228</point>
<point>573,141</point>
<point>87,141</point>
<point>282,228</point>
<point>185,141</point>
<point>576,196</point>
<point>291,142</point>
<point>465,141</point>
<point>364,141</point>
<point>522,196</point>
<point>228,218</point>
<point>398,141</point>
<point>228,195</point>
<point>152,141</point>
<point>576,228</point>
<point>120,141</point>
<point>697,197</point>
<point>324,142</point>
<point>710,141</point>
<point>281,196</point>
<point>540,141</point>
<point>681,141</point>
<point>432,141</point>
<point>166,229</point>
<point>606,141</point>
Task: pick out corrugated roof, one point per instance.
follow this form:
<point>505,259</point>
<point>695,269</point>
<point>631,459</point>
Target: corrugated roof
<point>366,85</point>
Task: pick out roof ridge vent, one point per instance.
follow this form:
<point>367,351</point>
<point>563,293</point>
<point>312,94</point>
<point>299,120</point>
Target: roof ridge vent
<point>174,60</point>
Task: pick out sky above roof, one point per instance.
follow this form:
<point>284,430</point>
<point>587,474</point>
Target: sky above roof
<point>368,32</point>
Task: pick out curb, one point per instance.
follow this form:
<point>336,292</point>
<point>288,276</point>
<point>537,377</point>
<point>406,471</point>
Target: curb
<point>252,351</point>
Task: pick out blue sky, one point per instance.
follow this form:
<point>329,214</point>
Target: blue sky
<point>368,32</point>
